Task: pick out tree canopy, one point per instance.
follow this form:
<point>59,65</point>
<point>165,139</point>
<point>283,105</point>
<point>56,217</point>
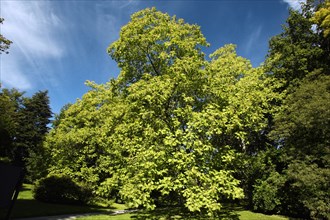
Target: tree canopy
<point>178,129</point>
<point>170,128</point>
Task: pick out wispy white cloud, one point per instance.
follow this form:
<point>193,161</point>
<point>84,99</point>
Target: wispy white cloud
<point>15,77</point>
<point>253,39</point>
<point>128,3</point>
<point>33,28</point>
<point>295,4</point>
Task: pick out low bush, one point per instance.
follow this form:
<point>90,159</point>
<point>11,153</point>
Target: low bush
<point>61,189</point>
<point>266,196</point>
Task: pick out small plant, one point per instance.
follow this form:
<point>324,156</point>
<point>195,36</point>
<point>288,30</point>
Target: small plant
<point>61,189</point>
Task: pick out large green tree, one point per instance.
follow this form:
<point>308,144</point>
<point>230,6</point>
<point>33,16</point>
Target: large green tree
<point>169,130</point>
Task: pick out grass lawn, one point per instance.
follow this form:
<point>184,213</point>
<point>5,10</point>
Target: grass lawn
<point>244,215</point>
<point>27,206</point>
<point>169,214</point>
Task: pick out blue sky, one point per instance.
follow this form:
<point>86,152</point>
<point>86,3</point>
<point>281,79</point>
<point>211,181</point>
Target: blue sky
<point>58,45</point>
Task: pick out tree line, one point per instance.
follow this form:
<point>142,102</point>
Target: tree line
<point>24,123</point>
<point>177,129</point>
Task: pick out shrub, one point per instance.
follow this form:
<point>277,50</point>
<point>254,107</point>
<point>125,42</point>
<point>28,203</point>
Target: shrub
<point>309,184</point>
<point>61,189</point>
<point>266,196</point>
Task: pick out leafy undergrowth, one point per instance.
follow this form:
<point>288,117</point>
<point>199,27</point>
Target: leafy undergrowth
<point>27,206</point>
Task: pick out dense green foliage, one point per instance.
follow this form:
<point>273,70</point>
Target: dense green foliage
<point>23,125</point>
<point>297,50</point>
<point>176,129</point>
<point>10,102</point>
<point>299,58</point>
<point>170,129</point>
<point>266,195</point>
<point>60,189</point>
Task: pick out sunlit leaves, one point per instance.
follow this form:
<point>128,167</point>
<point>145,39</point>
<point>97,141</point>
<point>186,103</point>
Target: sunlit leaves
<point>152,42</point>
<point>169,129</point>
<point>322,18</point>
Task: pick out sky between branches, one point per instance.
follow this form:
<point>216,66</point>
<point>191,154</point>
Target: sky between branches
<point>58,45</point>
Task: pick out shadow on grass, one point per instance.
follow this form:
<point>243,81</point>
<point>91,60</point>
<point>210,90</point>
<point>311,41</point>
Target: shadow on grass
<point>179,213</point>
<point>32,208</point>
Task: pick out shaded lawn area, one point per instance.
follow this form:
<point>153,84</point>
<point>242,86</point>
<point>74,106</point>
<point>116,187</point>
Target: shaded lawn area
<point>27,206</point>
<point>229,213</point>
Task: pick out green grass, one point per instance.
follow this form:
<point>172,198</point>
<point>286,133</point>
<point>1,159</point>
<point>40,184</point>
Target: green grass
<point>107,217</point>
<point>27,206</point>
<point>244,215</point>
<point>166,214</point>
<point>248,215</point>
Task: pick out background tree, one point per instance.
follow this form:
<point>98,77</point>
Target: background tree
<point>4,42</point>
<point>297,51</point>
<point>302,130</point>
<point>322,18</point>
<point>24,123</point>
<point>11,101</point>
<point>60,116</point>
<point>299,58</point>
<point>36,116</point>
